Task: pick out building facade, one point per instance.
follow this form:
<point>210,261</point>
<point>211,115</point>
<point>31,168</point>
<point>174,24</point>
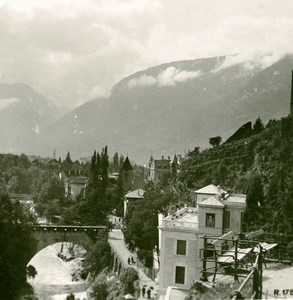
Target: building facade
<point>178,249</point>
<point>132,196</point>
<point>179,235</point>
<point>158,167</point>
<point>74,186</point>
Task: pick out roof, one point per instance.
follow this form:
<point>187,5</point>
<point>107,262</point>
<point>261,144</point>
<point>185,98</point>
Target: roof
<point>186,214</point>
<point>235,198</point>
<point>137,194</point>
<point>77,180</point>
<point>210,189</point>
<point>212,201</point>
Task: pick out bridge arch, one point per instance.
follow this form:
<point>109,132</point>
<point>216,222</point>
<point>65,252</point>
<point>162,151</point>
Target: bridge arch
<point>118,262</point>
<point>46,235</point>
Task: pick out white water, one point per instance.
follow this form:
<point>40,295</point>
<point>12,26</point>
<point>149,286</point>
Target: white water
<point>54,276</point>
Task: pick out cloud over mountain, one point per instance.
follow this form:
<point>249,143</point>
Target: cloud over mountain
<point>6,103</point>
<point>169,77</point>
<point>82,48</point>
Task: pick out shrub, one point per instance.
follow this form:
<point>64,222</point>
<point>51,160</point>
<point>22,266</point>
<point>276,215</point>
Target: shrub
<point>128,278</point>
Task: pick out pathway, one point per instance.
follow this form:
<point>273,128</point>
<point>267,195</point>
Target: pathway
<point>277,281</point>
<point>116,240</point>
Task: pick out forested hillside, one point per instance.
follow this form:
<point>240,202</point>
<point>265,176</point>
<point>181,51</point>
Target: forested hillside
<point>259,165</point>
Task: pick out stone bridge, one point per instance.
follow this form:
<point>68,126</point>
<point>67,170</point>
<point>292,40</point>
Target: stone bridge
<point>119,251</point>
<point>46,235</point>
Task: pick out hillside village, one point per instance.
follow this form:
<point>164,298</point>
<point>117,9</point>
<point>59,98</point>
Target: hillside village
<point>179,227</point>
<point>176,216</point>
<point>146,150</point>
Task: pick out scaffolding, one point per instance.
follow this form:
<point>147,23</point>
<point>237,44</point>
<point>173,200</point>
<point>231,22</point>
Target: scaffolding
<point>242,256</point>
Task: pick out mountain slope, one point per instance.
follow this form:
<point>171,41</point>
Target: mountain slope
<point>174,107</point>
<point>23,115</point>
<point>165,109</point>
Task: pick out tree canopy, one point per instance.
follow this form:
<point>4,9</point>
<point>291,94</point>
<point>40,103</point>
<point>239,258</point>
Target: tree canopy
<point>215,141</point>
<point>14,235</point>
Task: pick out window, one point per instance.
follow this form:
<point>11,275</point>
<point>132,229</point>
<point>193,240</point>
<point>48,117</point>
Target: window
<point>180,275</point>
<point>210,220</point>
<point>226,219</point>
<point>181,247</point>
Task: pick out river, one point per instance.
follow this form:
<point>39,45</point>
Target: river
<point>56,278</point>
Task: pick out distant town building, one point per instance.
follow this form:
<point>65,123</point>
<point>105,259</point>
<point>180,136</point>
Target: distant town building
<point>216,213</point>
<point>157,167</point>
<point>84,160</point>
<point>114,175</point>
<point>74,186</point>
<point>132,196</point>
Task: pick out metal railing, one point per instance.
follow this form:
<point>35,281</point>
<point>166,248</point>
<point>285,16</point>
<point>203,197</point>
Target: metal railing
<point>251,286</point>
<point>234,262</point>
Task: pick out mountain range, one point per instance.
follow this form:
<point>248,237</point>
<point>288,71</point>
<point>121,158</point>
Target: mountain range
<point>166,109</point>
<point>24,114</point>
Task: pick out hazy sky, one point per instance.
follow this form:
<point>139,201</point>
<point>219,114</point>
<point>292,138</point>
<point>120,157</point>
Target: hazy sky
<point>75,50</point>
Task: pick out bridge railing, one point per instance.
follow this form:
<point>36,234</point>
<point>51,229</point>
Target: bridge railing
<point>67,228</point>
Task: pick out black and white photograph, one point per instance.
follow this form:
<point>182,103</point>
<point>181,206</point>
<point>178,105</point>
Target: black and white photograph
<point>146,149</point>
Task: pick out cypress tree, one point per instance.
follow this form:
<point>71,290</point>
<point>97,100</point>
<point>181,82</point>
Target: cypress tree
<point>68,158</point>
<point>258,126</point>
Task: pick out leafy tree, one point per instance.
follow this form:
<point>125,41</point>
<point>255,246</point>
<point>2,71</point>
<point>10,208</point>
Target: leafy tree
<point>271,201</point>
<point>253,215</point>
<point>255,193</point>
<point>287,207</point>
<point>100,290</point>
<point>128,277</point>
<point>194,152</point>
<point>51,197</point>
<point>215,141</point>
<point>23,161</point>
<point>14,235</point>
<point>52,209</point>
<point>99,257</point>
<point>142,218</point>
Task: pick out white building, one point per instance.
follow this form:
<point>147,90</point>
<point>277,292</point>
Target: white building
<point>179,234</point>
<point>132,196</point>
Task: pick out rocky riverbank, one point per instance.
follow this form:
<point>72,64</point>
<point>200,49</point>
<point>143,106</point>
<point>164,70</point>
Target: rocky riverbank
<point>58,269</point>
